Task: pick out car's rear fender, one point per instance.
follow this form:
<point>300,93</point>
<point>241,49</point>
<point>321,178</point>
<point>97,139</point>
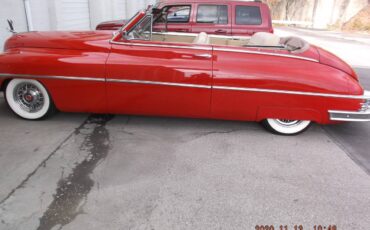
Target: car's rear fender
<point>266,112</point>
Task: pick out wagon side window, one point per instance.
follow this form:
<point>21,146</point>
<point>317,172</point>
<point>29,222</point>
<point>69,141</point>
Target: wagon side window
<point>215,14</point>
<point>248,15</point>
<point>176,14</point>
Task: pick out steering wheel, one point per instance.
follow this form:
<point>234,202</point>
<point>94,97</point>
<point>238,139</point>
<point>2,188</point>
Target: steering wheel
<point>136,34</point>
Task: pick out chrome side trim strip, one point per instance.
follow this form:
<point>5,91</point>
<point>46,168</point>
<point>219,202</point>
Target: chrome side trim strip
<point>365,96</point>
<point>52,77</point>
<point>159,83</point>
<point>264,53</point>
<point>162,46</point>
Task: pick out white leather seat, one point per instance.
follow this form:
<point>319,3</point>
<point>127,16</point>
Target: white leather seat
<point>202,38</point>
<point>264,39</point>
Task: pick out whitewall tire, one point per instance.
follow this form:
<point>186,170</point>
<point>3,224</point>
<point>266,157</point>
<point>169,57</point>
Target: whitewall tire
<point>286,127</point>
<point>29,99</point>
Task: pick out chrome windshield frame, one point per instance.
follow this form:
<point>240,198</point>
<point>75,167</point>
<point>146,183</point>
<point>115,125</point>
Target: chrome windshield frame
<point>125,33</point>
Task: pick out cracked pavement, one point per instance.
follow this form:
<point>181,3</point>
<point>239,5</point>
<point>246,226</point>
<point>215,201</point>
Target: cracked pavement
<point>79,171</point>
<point>164,173</point>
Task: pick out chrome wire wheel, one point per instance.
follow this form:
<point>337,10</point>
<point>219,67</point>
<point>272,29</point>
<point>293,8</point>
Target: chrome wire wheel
<point>28,99</point>
<point>288,123</point>
<point>286,126</point>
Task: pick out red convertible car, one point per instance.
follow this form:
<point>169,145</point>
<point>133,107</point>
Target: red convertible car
<point>285,83</point>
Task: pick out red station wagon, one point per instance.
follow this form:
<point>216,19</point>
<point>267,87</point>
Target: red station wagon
<point>211,16</point>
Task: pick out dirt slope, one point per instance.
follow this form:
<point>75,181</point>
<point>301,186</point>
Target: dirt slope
<point>360,22</point>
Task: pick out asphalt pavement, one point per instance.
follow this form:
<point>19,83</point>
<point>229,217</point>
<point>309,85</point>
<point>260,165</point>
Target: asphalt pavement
<point>354,138</point>
<point>81,171</point>
<point>354,48</point>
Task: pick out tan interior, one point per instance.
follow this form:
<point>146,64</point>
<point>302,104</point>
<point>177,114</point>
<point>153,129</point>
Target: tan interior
<point>192,38</point>
<point>172,38</point>
<point>261,40</point>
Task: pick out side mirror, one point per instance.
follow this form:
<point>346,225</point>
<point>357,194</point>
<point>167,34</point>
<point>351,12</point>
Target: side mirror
<point>11,26</point>
<point>115,33</point>
<point>124,34</point>
<point>156,11</point>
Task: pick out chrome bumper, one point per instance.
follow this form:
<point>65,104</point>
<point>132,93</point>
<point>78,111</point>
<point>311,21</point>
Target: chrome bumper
<point>350,116</point>
<point>362,115</point>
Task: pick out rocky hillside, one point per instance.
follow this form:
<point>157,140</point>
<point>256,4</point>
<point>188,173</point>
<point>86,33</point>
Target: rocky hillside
<point>321,14</point>
<point>359,22</point>
<point>291,9</point>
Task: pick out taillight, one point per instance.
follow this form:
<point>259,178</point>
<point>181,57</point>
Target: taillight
<point>365,105</point>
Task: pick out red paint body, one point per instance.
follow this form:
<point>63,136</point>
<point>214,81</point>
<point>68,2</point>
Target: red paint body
<point>231,28</point>
<point>92,55</point>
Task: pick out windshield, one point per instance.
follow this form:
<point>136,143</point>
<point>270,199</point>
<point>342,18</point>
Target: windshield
<point>142,30</point>
<point>128,22</point>
<point>140,27</point>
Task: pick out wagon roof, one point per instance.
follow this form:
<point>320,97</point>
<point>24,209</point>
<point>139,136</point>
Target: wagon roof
<point>208,1</point>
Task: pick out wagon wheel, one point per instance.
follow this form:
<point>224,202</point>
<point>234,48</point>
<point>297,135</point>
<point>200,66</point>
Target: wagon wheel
<point>285,126</point>
<point>29,99</point>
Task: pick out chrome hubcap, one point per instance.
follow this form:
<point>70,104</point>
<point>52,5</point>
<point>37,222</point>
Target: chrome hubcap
<point>29,97</point>
<point>288,123</point>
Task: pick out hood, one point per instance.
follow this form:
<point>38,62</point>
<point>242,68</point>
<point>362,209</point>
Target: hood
<point>329,59</point>
<point>111,25</point>
<point>84,40</point>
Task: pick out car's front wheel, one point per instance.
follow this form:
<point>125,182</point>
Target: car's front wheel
<point>286,127</point>
<point>29,99</point>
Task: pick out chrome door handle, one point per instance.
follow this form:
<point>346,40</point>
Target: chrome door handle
<point>203,55</point>
<point>221,31</point>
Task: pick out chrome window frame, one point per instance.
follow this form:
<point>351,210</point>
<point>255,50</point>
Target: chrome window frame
<point>125,33</point>
<point>174,5</point>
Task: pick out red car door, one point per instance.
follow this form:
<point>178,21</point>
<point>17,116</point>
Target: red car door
<point>212,18</point>
<point>156,78</point>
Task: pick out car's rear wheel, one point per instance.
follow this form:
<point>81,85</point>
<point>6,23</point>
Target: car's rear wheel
<point>286,127</point>
<point>29,99</point>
